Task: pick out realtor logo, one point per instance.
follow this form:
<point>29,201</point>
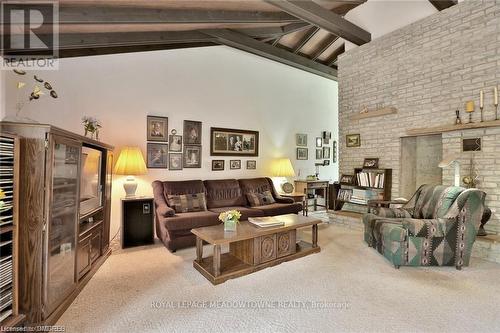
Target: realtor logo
<point>30,35</point>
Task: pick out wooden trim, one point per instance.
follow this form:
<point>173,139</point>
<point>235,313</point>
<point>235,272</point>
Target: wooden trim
<point>307,37</point>
<point>451,128</point>
<point>323,46</point>
<point>316,15</point>
<point>245,43</point>
<point>375,113</point>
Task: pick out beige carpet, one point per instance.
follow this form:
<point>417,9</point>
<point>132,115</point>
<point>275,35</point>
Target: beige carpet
<point>348,287</point>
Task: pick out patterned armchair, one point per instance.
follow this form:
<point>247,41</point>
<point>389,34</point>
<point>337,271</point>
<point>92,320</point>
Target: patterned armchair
<point>437,227</point>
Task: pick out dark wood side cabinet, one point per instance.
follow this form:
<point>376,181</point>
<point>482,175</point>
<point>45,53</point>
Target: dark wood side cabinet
<point>63,216</point>
<point>137,222</point>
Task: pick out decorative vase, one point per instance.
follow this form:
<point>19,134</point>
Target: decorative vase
<point>230,225</point>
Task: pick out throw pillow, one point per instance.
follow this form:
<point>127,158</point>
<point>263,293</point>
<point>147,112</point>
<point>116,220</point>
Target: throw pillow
<point>260,199</point>
<point>184,203</point>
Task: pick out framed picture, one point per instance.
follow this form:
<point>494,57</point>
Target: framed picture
<point>353,140</point>
<point>157,128</point>
<point>471,144</point>
<point>301,140</point>
<point>233,142</point>
<point>235,164</point>
<point>302,153</point>
<point>217,165</point>
<point>251,164</point>
<point>326,152</point>
<point>157,155</point>
<point>326,162</point>
<point>192,156</point>
<point>175,161</point>
<point>175,143</point>
<point>326,137</point>
<point>319,154</point>
<point>370,163</point>
<point>347,179</point>
<point>192,132</point>
<point>319,142</point>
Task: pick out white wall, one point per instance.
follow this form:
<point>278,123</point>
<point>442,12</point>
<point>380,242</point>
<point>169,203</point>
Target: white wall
<point>380,17</point>
<point>220,86</point>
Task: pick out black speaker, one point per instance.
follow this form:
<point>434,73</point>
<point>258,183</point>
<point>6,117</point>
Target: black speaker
<point>137,222</point>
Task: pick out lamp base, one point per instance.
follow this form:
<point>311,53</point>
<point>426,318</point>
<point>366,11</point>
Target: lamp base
<point>130,186</point>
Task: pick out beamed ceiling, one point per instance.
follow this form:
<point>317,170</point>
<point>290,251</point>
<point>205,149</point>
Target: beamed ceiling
<point>304,34</point>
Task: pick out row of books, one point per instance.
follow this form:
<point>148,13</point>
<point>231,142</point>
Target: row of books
<point>359,196</point>
<point>371,179</point>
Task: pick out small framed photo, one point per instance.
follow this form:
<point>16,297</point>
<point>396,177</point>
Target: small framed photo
<point>157,155</point>
<point>319,142</point>
<point>192,156</point>
<point>192,132</point>
<point>217,165</point>
<point>157,128</point>
<point>302,154</point>
<point>251,164</point>
<point>326,152</point>
<point>353,140</point>
<point>326,137</point>
<point>301,140</point>
<point>370,163</point>
<point>319,154</point>
<point>347,179</point>
<point>175,143</point>
<point>235,164</point>
<point>175,161</point>
<point>326,162</point>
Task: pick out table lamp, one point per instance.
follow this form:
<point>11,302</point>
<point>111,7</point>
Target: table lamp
<point>283,168</point>
<point>452,161</point>
<point>130,163</point>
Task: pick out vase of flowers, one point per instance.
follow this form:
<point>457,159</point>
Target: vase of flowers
<point>91,125</point>
<point>230,219</point>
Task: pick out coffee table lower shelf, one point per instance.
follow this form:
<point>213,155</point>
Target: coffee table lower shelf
<point>232,267</point>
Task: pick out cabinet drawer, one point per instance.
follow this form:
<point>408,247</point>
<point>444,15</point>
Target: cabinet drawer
<point>285,243</point>
<point>83,256</point>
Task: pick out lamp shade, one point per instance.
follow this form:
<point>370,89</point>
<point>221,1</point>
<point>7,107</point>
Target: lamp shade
<point>130,162</point>
<point>282,168</point>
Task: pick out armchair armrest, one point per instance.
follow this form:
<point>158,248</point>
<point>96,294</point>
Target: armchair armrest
<point>427,228</point>
<point>391,212</point>
<point>161,205</point>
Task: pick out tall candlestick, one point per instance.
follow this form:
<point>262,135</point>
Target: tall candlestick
<point>481,99</point>
<point>495,96</point>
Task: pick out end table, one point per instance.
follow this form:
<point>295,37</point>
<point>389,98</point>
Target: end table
<point>137,221</point>
<point>297,197</point>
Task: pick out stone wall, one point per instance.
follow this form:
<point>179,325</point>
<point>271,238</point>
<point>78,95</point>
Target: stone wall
<point>426,70</point>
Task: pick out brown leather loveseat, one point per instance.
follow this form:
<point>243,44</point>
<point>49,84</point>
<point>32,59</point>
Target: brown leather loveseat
<point>174,227</point>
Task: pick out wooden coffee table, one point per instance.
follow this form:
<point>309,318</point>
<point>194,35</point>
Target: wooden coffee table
<point>252,248</point>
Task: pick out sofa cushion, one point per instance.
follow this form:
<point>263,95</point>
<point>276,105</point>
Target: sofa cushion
<point>184,203</point>
<point>188,221</point>
<point>280,208</point>
<point>183,187</point>
<point>260,199</point>
<point>246,212</point>
<point>224,193</point>
<point>256,185</point>
<point>434,201</point>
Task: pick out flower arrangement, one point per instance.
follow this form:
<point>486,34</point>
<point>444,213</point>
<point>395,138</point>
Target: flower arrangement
<point>230,218</point>
<point>91,125</point>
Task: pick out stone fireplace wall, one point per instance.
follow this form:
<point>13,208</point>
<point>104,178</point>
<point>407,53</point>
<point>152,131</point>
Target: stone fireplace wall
<point>426,70</point>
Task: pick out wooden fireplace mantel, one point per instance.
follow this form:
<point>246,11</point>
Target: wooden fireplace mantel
<point>451,128</point>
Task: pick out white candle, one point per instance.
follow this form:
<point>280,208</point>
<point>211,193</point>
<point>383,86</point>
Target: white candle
<point>495,94</point>
<point>481,99</point>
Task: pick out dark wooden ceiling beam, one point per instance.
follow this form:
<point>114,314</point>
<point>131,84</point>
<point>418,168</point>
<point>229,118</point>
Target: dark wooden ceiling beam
<point>316,15</point>
<point>323,46</point>
<point>245,43</point>
<point>120,15</point>
<point>271,33</point>
<point>443,4</point>
<point>303,41</point>
<point>332,59</point>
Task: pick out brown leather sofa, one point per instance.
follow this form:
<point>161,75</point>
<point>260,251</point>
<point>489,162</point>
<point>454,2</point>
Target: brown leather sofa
<point>174,229</point>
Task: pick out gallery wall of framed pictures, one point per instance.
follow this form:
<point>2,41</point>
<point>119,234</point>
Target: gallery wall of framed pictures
<point>322,151</point>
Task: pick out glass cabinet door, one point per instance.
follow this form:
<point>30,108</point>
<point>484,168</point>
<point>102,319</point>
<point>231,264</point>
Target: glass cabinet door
<point>62,225</point>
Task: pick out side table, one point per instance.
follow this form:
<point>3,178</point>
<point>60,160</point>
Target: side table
<point>297,197</point>
<point>137,221</point>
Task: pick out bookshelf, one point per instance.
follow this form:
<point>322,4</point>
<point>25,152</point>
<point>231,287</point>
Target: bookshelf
<point>9,172</point>
<point>368,184</point>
